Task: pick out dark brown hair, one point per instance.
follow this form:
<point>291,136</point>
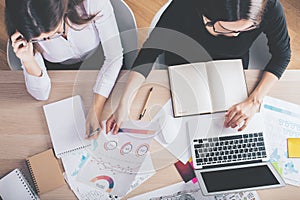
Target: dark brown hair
<point>33,17</point>
<point>232,10</point>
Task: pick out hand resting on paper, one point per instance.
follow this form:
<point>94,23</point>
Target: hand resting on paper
<point>241,113</point>
<point>114,122</point>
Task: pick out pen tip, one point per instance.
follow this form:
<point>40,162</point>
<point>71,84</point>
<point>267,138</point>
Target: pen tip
<point>151,89</point>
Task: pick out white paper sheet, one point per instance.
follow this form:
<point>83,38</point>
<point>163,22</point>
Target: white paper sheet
<point>73,164</point>
<point>114,160</point>
<point>191,191</point>
<point>180,145</point>
<point>146,171</point>
<point>66,123</point>
<point>85,192</point>
<point>282,120</point>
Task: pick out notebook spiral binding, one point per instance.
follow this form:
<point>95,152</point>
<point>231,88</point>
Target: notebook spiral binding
<point>69,151</point>
<point>33,177</point>
<point>26,184</point>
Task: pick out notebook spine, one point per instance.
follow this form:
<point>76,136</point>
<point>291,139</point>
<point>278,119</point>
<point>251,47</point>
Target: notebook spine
<point>26,184</point>
<point>33,177</point>
<point>72,150</point>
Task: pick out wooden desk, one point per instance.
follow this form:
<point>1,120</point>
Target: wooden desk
<point>24,132</point>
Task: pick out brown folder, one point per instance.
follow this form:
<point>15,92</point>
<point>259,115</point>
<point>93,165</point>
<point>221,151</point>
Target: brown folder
<point>45,171</point>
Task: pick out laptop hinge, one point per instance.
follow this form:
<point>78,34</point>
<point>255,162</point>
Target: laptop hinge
<point>232,164</point>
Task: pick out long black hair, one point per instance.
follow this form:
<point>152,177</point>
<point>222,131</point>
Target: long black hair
<point>232,10</point>
<point>33,17</point>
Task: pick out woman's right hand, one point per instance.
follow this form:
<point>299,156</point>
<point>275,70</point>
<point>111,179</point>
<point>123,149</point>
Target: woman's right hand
<point>114,122</point>
<point>22,48</point>
<point>134,82</point>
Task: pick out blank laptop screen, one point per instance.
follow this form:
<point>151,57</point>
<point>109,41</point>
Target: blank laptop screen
<point>238,178</point>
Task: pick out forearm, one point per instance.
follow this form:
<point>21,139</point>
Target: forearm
<point>263,87</point>
<point>98,104</point>
<point>135,80</point>
<point>32,67</point>
<point>37,81</point>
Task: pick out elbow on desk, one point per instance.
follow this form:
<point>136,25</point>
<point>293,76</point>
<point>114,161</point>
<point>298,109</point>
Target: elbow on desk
<point>40,94</point>
<point>40,97</point>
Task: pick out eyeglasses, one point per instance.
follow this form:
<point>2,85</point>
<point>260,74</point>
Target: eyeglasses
<point>54,36</point>
<point>226,31</point>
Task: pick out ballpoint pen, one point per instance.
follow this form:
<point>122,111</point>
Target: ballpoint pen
<point>145,105</point>
<point>94,132</point>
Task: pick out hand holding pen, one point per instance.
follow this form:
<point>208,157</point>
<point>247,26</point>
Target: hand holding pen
<point>94,127</point>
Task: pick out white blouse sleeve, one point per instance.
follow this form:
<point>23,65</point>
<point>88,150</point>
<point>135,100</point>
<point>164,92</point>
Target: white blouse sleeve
<point>106,25</point>
<point>38,87</point>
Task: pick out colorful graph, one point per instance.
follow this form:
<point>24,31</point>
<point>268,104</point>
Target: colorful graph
<point>110,145</point>
<point>126,148</point>
<point>98,180</point>
<point>142,150</point>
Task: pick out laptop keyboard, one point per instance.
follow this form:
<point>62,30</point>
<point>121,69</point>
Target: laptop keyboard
<point>229,149</point>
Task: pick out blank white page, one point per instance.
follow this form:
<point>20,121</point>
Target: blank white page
<point>190,91</point>
<point>66,123</point>
<point>227,83</point>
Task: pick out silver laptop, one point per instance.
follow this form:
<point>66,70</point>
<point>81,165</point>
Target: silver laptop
<point>228,161</point>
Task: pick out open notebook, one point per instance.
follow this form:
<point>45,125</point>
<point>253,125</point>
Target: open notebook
<point>206,87</point>
<point>14,186</point>
<point>66,123</point>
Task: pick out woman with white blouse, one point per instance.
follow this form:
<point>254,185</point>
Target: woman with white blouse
<point>65,32</point>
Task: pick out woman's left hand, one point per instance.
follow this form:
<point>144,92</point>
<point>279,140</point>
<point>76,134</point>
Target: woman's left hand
<point>241,112</point>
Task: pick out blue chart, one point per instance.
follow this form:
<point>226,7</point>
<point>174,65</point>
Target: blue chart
<point>82,161</point>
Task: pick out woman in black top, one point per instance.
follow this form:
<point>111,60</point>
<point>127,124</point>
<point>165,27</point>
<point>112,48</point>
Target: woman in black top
<point>226,29</point>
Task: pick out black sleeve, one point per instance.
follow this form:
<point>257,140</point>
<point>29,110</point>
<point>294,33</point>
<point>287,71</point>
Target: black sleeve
<point>278,39</point>
<point>154,45</point>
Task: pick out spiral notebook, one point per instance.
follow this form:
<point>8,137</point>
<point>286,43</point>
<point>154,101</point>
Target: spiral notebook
<point>66,123</point>
<point>14,186</point>
<point>45,171</point>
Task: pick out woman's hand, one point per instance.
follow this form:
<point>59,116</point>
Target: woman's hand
<point>22,48</point>
<point>115,120</point>
<point>93,123</point>
<point>24,51</point>
<point>241,112</point>
<point>135,80</point>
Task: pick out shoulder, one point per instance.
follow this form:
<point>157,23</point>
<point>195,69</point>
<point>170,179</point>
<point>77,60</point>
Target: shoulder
<point>96,6</point>
<point>178,11</point>
<point>181,5</point>
<point>273,10</point>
